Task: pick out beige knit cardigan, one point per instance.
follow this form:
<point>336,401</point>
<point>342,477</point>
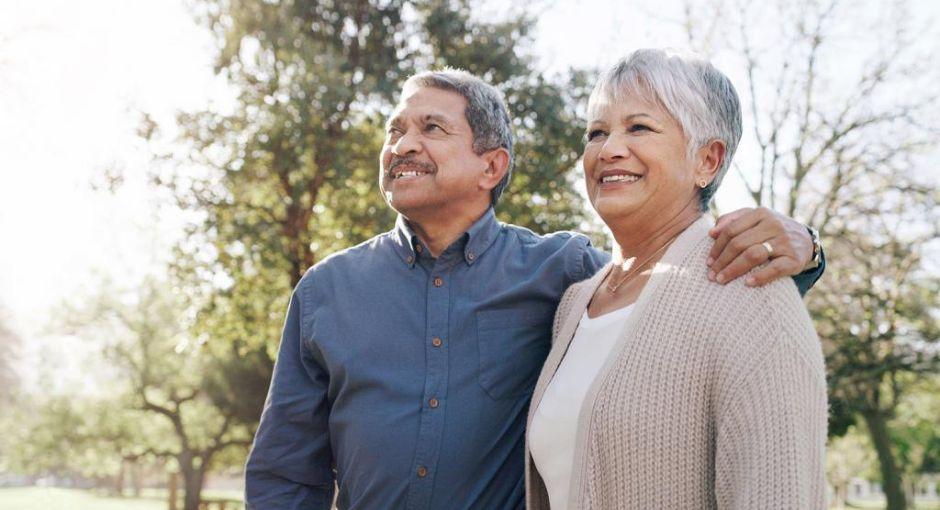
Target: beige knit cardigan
<point>713,396</point>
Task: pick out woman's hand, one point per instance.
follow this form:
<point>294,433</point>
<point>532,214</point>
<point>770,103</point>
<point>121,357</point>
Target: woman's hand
<point>740,238</point>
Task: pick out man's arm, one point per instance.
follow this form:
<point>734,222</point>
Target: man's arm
<point>290,465</point>
<point>740,238</point>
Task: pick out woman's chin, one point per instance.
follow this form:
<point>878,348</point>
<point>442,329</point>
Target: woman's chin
<point>615,211</point>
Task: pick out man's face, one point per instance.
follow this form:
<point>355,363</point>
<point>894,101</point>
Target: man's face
<point>428,164</point>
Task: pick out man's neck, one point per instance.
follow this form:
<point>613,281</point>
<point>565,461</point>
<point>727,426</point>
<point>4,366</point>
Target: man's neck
<point>438,231</point>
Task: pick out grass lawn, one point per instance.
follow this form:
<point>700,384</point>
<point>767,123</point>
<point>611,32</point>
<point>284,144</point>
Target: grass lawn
<point>41,498</point>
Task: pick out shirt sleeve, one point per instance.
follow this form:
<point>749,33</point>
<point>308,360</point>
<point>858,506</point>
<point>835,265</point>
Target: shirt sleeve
<point>807,279</point>
<point>590,260</point>
<point>290,464</point>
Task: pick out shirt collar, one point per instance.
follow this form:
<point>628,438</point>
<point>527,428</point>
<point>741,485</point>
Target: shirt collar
<point>479,237</point>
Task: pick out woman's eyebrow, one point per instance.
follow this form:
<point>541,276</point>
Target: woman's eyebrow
<point>633,116</point>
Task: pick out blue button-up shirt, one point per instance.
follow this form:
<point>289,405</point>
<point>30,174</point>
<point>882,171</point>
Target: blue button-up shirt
<point>406,379</point>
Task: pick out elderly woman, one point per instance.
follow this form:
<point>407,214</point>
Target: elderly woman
<point>656,395</point>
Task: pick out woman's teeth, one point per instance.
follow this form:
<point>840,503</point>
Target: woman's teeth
<point>620,178</point>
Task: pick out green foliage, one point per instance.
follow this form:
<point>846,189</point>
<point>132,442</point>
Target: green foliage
<point>916,429</point>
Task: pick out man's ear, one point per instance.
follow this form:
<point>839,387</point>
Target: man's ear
<point>497,164</point>
<point>709,160</point>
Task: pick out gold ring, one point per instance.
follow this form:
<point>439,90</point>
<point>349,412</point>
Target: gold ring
<point>770,249</point>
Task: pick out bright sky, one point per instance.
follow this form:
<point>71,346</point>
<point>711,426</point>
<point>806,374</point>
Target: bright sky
<point>73,76</point>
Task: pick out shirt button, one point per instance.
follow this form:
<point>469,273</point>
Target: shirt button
<point>422,471</point>
<point>419,248</point>
<point>410,259</point>
<point>438,281</point>
<point>437,342</point>
<point>433,403</point>
<point>471,256</point>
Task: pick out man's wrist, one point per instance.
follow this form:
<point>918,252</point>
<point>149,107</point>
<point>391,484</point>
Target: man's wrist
<point>814,261</point>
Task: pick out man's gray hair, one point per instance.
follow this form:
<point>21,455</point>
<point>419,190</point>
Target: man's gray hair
<point>697,95</point>
<point>486,112</point>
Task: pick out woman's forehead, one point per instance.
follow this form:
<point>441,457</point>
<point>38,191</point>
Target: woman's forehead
<point>625,104</point>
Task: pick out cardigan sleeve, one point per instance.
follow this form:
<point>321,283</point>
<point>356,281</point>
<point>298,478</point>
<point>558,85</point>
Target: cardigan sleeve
<point>771,428</point>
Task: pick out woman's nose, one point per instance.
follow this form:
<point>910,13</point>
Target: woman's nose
<point>614,148</point>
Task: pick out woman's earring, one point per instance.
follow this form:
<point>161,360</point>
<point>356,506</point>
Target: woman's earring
<point>702,184</point>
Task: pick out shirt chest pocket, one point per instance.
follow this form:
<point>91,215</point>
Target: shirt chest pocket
<point>513,344</point>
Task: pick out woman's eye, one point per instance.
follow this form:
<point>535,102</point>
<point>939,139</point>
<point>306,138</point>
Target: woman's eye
<point>639,127</point>
<point>595,133</point>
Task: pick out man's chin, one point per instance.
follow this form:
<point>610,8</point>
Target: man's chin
<point>407,203</point>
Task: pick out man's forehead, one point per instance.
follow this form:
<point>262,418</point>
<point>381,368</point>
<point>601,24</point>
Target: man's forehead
<point>423,102</point>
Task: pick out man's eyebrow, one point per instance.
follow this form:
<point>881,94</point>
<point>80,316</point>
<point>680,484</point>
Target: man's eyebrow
<point>434,117</point>
<point>393,122</point>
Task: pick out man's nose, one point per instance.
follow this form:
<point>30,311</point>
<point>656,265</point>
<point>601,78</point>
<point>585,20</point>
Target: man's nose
<point>407,143</point>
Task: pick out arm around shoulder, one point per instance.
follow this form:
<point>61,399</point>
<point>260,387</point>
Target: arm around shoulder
<point>290,464</point>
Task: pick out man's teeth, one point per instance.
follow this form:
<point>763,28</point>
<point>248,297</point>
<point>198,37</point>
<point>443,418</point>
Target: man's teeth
<point>408,173</point>
<point>620,178</point>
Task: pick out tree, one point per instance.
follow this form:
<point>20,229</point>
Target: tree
<point>916,432</point>
<point>848,457</point>
<point>9,342</point>
<point>79,438</point>
<point>162,381</point>
<point>290,174</point>
<point>841,141</point>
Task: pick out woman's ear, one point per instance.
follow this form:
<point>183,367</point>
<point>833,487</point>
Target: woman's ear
<point>497,164</point>
<point>710,158</point>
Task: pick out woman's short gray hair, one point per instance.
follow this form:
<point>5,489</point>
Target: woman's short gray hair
<point>697,95</point>
<point>486,112</point>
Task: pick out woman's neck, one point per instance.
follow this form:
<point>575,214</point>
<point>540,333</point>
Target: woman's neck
<point>638,240</point>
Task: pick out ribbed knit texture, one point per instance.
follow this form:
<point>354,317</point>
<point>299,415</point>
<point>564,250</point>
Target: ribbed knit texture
<point>713,397</point>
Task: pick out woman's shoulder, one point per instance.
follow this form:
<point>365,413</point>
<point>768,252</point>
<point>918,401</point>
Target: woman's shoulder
<point>744,318</point>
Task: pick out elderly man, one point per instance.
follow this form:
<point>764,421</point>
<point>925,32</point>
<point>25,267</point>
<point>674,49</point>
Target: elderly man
<point>407,363</point>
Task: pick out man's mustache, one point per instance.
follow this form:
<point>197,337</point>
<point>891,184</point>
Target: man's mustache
<point>411,161</point>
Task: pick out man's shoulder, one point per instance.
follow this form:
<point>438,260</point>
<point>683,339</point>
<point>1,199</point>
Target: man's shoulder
<point>362,255</point>
<point>559,240</point>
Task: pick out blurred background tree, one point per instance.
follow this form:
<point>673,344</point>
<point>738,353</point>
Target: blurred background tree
<point>162,400</point>
<point>9,343</point>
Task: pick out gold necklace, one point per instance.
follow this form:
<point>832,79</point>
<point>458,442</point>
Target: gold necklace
<point>635,268</point>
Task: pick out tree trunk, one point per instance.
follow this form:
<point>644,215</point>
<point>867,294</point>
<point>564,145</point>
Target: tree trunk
<point>118,487</point>
<point>890,475</point>
<point>173,496</point>
<point>137,481</point>
<point>840,493</point>
<point>192,485</point>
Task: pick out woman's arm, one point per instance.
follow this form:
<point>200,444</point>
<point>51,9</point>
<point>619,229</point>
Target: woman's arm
<point>771,427</point>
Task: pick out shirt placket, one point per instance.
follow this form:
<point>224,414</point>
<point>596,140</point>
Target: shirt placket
<point>433,402</point>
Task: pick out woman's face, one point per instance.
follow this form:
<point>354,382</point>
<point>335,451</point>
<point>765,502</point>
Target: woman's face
<point>635,163</point>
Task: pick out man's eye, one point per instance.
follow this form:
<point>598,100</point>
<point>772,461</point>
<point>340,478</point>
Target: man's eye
<point>433,127</point>
<point>595,133</point>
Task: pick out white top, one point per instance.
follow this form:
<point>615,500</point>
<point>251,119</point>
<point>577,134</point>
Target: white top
<point>554,427</point>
